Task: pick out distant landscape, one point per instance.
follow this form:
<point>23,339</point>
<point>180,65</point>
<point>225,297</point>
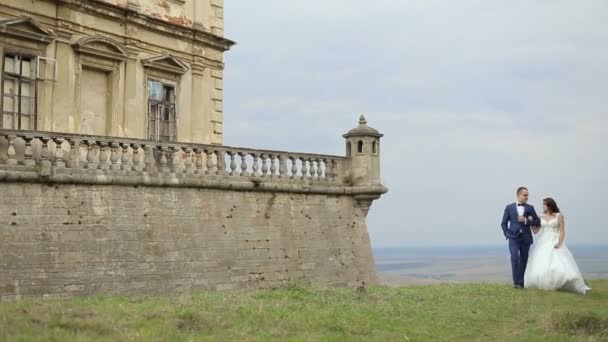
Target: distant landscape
<point>431,265</point>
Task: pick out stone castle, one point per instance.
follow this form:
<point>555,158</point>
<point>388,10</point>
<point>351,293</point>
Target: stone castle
<point>114,177</point>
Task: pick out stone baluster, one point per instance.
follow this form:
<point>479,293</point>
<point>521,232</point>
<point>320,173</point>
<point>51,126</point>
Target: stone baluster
<point>82,157</point>
<point>220,155</point>
<point>304,168</point>
<point>264,157</point>
<point>137,164</point>
<point>59,153</point>
<point>256,165</point>
<point>325,169</point>
<point>83,160</point>
<point>28,152</point>
<point>11,153</point>
<point>309,166</point>
<point>209,153</point>
<point>244,166</point>
<point>45,163</point>
<point>313,168</point>
<point>273,166</point>
<point>163,159</point>
<point>44,153</point>
<point>319,173</point>
<point>149,161</point>
<point>319,168</point>
<point>114,166</point>
<point>198,153</point>
<point>125,162</point>
<point>176,160</point>
<point>90,159</point>
<point>328,169</point>
<point>333,170</point>
<point>189,166</point>
<point>294,167</point>
<point>74,156</point>
<point>103,156</point>
<point>282,166</point>
<point>232,155</point>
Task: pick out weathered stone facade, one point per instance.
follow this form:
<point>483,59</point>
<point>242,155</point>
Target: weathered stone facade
<point>149,69</point>
<point>64,240</point>
<point>114,179</point>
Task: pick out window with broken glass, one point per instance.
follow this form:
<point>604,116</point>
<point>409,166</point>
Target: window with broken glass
<point>18,92</point>
<point>161,111</point>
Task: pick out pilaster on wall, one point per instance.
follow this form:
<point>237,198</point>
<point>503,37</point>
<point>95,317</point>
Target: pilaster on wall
<point>217,21</point>
<point>218,106</point>
<point>63,111</point>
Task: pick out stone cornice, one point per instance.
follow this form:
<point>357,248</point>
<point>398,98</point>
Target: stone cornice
<point>134,17</point>
<point>27,174</point>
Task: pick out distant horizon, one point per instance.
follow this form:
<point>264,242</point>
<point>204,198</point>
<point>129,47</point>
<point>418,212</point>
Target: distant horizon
<point>602,244</point>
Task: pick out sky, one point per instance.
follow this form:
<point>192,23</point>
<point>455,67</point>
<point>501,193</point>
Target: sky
<point>475,98</point>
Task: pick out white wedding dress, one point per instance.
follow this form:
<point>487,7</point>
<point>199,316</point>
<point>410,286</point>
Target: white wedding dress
<point>552,269</point>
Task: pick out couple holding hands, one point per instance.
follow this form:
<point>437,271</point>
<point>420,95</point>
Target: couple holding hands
<point>549,265</point>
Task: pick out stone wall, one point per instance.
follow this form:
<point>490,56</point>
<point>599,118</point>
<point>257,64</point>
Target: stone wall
<point>65,240</point>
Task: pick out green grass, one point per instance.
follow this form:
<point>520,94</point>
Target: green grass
<point>482,312</point>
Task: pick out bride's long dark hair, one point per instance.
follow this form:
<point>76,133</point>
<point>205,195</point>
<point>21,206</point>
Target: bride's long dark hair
<point>550,203</point>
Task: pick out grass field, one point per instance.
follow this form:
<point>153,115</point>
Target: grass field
<point>483,312</point>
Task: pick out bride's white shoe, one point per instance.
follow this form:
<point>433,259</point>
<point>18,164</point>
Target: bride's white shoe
<point>550,268</point>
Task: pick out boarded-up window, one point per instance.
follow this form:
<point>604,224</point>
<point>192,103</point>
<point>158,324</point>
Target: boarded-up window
<point>18,92</point>
<point>161,111</point>
<point>94,99</point>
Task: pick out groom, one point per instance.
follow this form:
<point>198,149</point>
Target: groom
<point>516,223</point>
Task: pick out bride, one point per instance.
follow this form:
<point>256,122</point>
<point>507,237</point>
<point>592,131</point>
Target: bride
<point>551,265</point>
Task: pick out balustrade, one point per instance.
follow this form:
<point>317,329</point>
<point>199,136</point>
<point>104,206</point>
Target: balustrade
<point>45,150</point>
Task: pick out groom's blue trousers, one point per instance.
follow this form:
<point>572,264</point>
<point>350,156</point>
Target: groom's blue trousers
<point>519,259</point>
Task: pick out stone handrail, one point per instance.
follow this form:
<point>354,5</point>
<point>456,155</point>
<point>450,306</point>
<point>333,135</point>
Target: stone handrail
<point>65,158</point>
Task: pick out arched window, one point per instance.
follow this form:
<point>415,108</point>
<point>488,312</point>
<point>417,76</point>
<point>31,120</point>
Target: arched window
<point>374,147</point>
<point>360,147</point>
<point>348,149</point>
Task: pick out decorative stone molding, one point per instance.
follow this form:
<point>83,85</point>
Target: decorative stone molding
<point>365,201</point>
<point>99,46</point>
<point>26,28</point>
<point>133,5</point>
<point>166,63</point>
<point>130,15</point>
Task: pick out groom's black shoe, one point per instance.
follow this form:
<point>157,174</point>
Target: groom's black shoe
<point>518,286</point>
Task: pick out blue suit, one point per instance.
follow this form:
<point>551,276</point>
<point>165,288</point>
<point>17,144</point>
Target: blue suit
<point>520,238</point>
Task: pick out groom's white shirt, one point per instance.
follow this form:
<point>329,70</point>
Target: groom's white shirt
<point>520,211</point>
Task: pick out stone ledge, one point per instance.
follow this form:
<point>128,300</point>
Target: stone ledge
<point>25,174</point>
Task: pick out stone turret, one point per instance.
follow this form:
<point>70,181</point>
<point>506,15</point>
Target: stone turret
<point>363,152</point>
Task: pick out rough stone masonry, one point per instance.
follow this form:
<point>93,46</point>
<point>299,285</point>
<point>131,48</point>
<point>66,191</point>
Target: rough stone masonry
<point>62,240</point>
